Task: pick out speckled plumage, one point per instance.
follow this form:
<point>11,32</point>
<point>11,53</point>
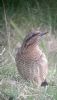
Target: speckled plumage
<point>31,62</point>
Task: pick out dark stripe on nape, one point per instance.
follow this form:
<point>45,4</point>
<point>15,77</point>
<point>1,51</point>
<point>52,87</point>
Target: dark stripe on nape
<point>31,37</point>
<point>26,41</point>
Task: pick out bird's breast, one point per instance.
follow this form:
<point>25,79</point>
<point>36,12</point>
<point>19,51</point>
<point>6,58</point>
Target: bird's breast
<point>33,52</point>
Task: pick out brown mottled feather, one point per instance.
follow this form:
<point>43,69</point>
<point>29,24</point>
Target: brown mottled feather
<point>31,62</point>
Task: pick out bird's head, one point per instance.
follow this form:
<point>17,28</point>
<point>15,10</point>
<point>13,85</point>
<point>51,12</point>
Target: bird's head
<point>32,37</point>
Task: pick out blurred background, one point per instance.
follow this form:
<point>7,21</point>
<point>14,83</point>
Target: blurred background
<point>17,18</point>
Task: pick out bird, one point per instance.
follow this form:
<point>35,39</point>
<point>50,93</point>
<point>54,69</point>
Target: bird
<point>31,61</point>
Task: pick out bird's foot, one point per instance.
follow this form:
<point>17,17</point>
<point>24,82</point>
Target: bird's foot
<point>45,83</point>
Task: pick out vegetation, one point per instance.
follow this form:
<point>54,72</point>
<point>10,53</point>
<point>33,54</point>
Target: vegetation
<point>17,17</point>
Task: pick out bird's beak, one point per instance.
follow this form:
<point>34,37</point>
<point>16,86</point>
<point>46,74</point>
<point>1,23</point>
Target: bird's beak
<point>42,33</point>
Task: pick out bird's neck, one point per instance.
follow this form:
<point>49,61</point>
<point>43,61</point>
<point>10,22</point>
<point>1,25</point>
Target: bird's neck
<point>32,49</point>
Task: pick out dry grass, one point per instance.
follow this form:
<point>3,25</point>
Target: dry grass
<point>12,86</point>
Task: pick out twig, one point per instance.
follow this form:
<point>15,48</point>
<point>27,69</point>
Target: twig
<point>8,32</point>
<point>2,52</point>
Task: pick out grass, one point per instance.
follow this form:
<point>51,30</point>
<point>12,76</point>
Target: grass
<point>13,86</point>
<point>20,20</point>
